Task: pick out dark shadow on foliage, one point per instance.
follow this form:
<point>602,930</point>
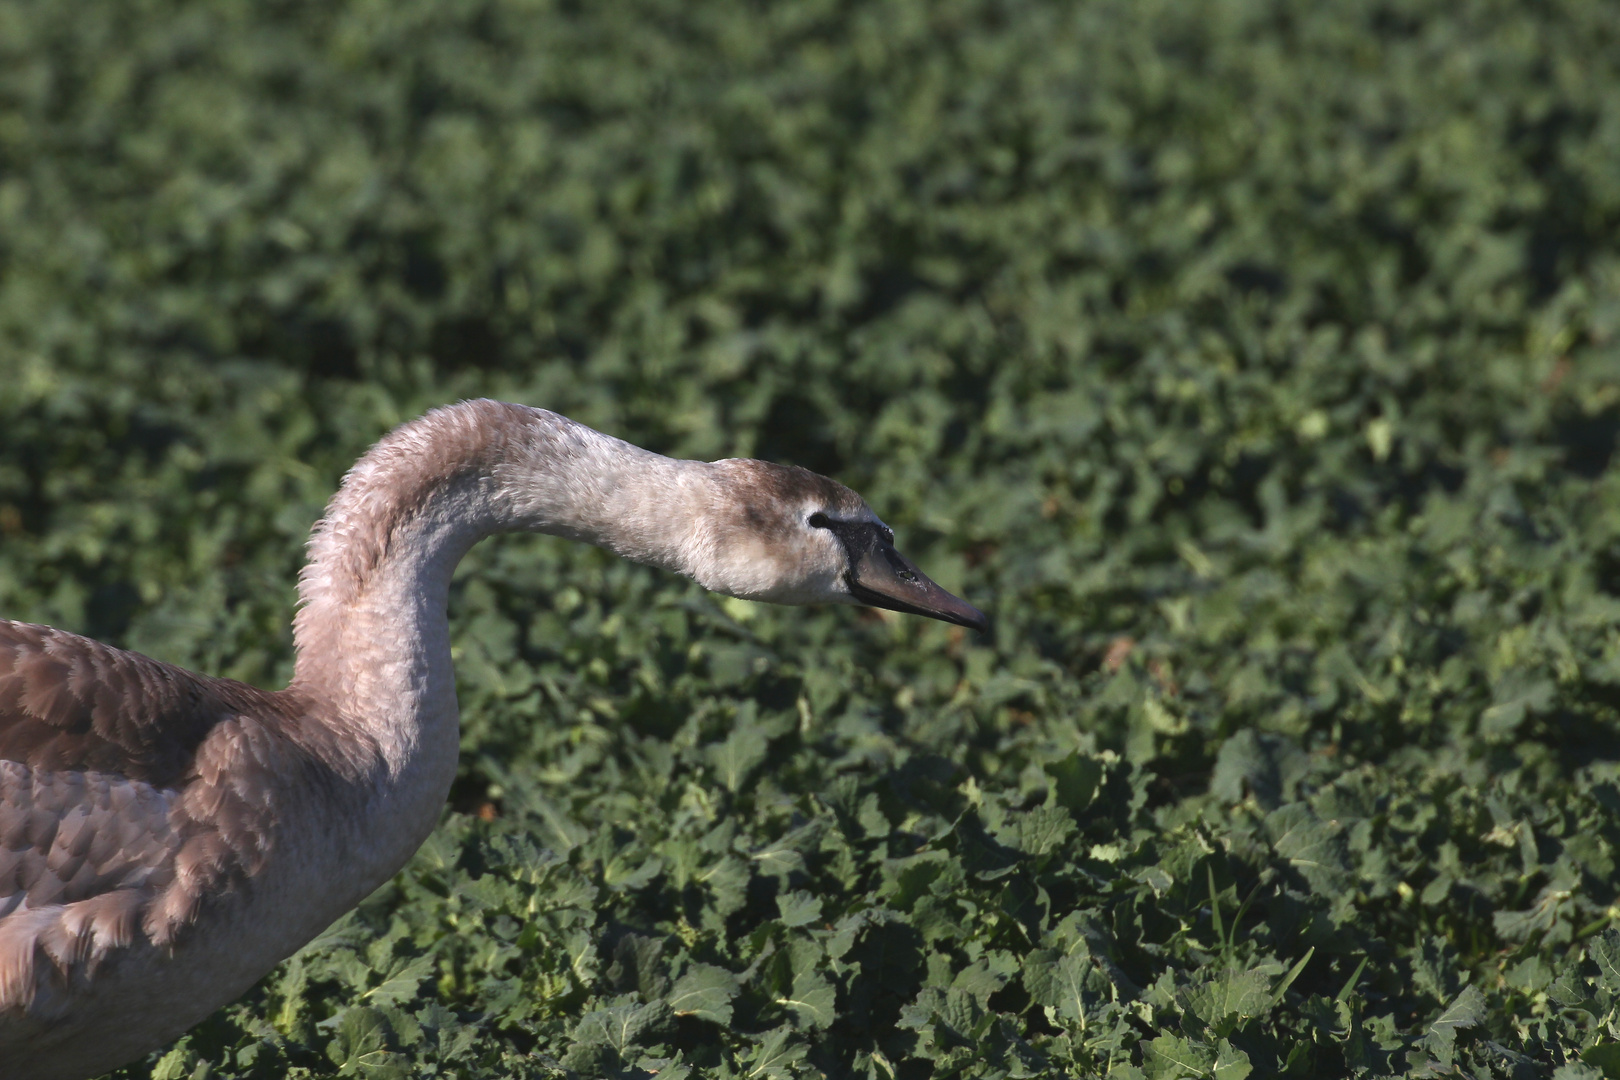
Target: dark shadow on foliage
<point>315,345</point>
<point>795,429</point>
<point>1588,442</point>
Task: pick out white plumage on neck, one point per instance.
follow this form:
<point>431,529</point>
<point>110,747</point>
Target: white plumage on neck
<point>371,635</point>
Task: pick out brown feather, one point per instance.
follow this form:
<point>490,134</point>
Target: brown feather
<point>107,826</point>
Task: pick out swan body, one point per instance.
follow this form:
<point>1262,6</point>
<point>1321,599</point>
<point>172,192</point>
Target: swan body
<point>166,838</point>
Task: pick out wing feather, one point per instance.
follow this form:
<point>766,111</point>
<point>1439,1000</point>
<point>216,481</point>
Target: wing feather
<point>70,703</point>
<point>110,833</point>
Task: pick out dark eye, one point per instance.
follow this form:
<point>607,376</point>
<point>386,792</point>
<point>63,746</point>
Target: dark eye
<point>818,520</point>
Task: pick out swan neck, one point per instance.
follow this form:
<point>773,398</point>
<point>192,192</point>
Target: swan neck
<point>372,634</point>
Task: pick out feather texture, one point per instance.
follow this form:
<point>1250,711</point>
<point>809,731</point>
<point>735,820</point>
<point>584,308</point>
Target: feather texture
<point>132,793</point>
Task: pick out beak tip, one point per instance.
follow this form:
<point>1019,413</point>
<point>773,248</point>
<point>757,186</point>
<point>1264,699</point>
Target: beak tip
<point>977,621</point>
<point>958,612</point>
<point>881,577</point>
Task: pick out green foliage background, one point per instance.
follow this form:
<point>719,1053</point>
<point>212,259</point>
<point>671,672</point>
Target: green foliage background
<point>1255,364</point>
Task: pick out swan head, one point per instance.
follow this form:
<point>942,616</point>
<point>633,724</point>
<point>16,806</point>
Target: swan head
<point>786,535</point>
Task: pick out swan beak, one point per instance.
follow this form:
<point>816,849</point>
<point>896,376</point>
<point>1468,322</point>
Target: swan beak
<point>879,576</point>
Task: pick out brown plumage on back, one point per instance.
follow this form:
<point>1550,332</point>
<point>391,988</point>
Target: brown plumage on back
<point>72,703</point>
<point>166,838</point>
<point>132,793</point>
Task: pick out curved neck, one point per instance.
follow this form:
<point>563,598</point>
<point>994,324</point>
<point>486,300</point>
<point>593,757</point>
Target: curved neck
<point>372,636</point>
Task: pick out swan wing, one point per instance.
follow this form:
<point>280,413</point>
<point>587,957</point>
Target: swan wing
<point>111,834</point>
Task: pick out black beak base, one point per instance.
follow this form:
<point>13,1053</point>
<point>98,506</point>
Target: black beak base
<point>879,576</point>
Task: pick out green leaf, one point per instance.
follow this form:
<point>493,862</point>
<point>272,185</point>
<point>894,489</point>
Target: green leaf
<point>813,1000</point>
<point>177,1064</point>
<point>621,1025</point>
<point>361,1046</point>
<point>1604,1056</point>
<point>637,966</point>
<point>1515,699</point>
<point>986,976</point>
<point>1465,1011</point>
<point>1312,846</point>
<point>1045,829</point>
<point>799,908</point>
<point>965,1016</point>
<point>1605,952</point>
<point>1057,982</point>
<point>1293,973</point>
<point>704,991</point>
<point>1171,1057</point>
<point>1075,782</point>
<point>727,879</point>
<point>740,754</point>
<point>625,872</point>
<point>1268,766</point>
<point>1230,1063</point>
<point>776,1057</point>
<point>401,985</point>
<point>780,859</point>
<point>1233,994</point>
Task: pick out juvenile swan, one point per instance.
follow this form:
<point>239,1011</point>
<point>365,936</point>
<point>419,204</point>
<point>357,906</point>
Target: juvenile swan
<point>166,838</point>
